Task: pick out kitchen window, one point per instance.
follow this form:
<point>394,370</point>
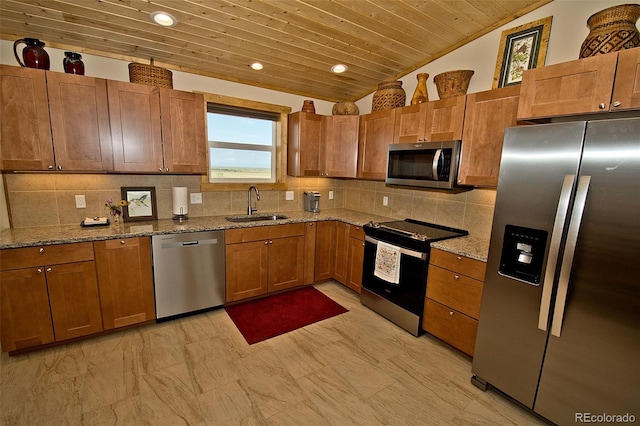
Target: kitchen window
<point>245,144</point>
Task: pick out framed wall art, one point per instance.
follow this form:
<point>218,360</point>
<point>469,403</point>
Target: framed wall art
<point>521,48</point>
<point>142,203</point>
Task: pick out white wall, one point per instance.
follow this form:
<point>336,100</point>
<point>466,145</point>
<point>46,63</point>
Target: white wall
<point>568,31</point>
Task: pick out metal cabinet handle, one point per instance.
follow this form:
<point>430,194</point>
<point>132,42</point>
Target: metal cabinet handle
<point>459,258</point>
<point>602,105</point>
<point>41,250</point>
<point>59,167</point>
<point>39,270</point>
<point>456,277</point>
<point>48,269</point>
<point>569,251</point>
<point>616,104</point>
<point>160,169</point>
<point>450,313</point>
<point>270,242</point>
<point>50,167</point>
<point>554,250</point>
<point>122,242</point>
<point>266,242</point>
<point>311,224</point>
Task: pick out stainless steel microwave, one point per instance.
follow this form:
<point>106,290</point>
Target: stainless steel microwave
<point>424,164</point>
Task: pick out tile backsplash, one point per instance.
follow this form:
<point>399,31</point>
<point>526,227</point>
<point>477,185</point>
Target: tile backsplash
<point>49,199</point>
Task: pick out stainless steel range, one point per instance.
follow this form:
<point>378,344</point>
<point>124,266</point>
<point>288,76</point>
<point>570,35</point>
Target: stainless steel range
<point>396,261</point>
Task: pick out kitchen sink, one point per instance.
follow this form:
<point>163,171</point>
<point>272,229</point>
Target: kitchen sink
<point>255,217</point>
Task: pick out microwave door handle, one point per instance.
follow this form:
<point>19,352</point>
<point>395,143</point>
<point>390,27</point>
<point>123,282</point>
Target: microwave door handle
<point>436,161</point>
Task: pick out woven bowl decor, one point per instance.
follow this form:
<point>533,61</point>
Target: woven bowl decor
<point>389,95</point>
<point>452,83</point>
<point>345,108</point>
<point>612,29</point>
<point>150,75</point>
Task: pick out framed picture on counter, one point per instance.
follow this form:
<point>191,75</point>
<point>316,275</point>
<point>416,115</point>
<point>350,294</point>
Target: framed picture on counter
<point>142,203</point>
<point>521,48</point>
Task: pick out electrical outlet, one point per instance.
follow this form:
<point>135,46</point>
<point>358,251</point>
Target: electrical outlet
<point>288,195</point>
<point>81,203</point>
<point>385,201</point>
<point>331,195</point>
<point>196,197</point>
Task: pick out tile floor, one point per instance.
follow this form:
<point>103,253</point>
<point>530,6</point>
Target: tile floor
<point>353,369</point>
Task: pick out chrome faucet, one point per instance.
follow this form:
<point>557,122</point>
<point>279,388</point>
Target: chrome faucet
<point>250,209</point>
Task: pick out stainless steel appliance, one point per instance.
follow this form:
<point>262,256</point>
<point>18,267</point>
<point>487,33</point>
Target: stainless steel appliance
<point>559,327</point>
<point>188,272</point>
<point>403,301</point>
<point>423,164</point>
<point>312,201</point>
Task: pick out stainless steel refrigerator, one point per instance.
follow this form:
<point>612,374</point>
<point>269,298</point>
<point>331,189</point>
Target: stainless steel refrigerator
<point>559,327</point>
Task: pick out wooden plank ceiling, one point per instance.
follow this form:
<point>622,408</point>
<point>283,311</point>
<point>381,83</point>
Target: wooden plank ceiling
<point>297,41</point>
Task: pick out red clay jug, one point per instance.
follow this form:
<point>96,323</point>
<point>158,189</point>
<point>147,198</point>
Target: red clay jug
<point>33,53</point>
<point>72,63</point>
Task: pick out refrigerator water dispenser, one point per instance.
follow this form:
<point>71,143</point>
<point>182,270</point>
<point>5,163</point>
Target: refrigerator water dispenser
<point>523,253</point>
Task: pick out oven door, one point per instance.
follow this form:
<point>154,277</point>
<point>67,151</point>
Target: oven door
<point>409,293</point>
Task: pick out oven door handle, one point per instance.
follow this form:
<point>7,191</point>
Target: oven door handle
<point>403,250</point>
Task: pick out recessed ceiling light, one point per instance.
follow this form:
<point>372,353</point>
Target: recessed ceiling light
<point>257,66</point>
<point>164,19</point>
<point>339,68</point>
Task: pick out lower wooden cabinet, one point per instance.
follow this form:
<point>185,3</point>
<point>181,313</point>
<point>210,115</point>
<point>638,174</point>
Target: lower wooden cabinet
<point>48,294</point>
<point>454,293</point>
<point>264,259</point>
<point>355,258</point>
<point>125,280</point>
<point>341,253</point>
<point>325,250</point>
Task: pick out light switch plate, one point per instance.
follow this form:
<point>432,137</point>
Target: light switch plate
<point>288,195</point>
<point>81,202</point>
<point>385,201</point>
<point>196,197</point>
<point>331,195</point>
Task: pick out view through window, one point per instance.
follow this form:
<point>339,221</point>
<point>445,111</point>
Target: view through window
<point>242,144</point>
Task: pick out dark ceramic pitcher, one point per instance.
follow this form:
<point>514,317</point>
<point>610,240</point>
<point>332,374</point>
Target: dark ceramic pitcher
<point>33,53</point>
<point>72,63</point>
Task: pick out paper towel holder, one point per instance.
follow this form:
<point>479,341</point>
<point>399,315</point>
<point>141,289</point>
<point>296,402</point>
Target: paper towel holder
<point>180,204</point>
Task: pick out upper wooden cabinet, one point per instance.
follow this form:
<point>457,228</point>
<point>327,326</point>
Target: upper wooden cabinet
<point>303,147</point>
<point>583,86</point>
<point>376,133</point>
<point>440,120</point>
<point>45,112</point>
<point>183,131</point>
<point>339,150</point>
<point>487,115</point>
<point>321,145</point>
<point>134,110</point>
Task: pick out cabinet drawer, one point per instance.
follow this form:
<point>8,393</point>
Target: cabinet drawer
<point>451,326</point>
<point>356,232</point>
<point>461,264</point>
<point>28,257</point>
<point>258,233</point>
<point>457,291</point>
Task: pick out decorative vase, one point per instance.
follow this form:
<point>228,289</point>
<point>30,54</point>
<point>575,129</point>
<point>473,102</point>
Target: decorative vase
<point>308,106</point>
<point>33,53</point>
<point>345,108</point>
<point>72,63</point>
<point>390,94</point>
<point>453,83</point>
<point>420,95</point>
<point>612,29</point>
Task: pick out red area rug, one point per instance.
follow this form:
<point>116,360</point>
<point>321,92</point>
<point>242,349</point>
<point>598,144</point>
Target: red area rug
<point>262,319</point>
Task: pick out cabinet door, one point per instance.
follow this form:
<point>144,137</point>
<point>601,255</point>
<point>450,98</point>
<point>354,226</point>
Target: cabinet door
<point>303,147</point>
<point>125,281</point>
<point>339,150</point>
<point>626,88</point>
<point>487,115</point>
<point>79,122</point>
<point>341,268</point>
<point>286,263</point>
<point>575,87</point>
<point>376,133</point>
<point>183,131</point>
<point>410,123</point>
<point>325,250</point>
<point>74,300</point>
<point>450,325</point>
<point>25,315</point>
<point>309,252</point>
<point>444,119</point>
<point>246,269</point>
<point>25,131</point>
<point>134,112</point>
<point>356,260</point>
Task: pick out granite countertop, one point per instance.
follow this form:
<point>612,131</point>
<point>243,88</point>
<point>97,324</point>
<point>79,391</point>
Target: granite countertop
<point>473,247</point>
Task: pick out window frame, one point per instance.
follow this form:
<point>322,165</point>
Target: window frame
<point>280,140</point>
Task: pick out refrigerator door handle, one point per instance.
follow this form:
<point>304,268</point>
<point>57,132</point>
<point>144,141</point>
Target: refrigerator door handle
<point>569,251</point>
<point>554,250</point>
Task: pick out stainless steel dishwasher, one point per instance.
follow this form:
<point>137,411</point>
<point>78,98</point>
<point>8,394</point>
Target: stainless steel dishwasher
<point>188,272</point>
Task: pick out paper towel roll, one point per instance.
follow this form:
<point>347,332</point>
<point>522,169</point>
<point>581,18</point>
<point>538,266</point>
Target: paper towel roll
<point>180,202</point>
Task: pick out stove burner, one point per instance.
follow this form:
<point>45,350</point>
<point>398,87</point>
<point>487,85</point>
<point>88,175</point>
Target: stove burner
<point>415,230</point>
